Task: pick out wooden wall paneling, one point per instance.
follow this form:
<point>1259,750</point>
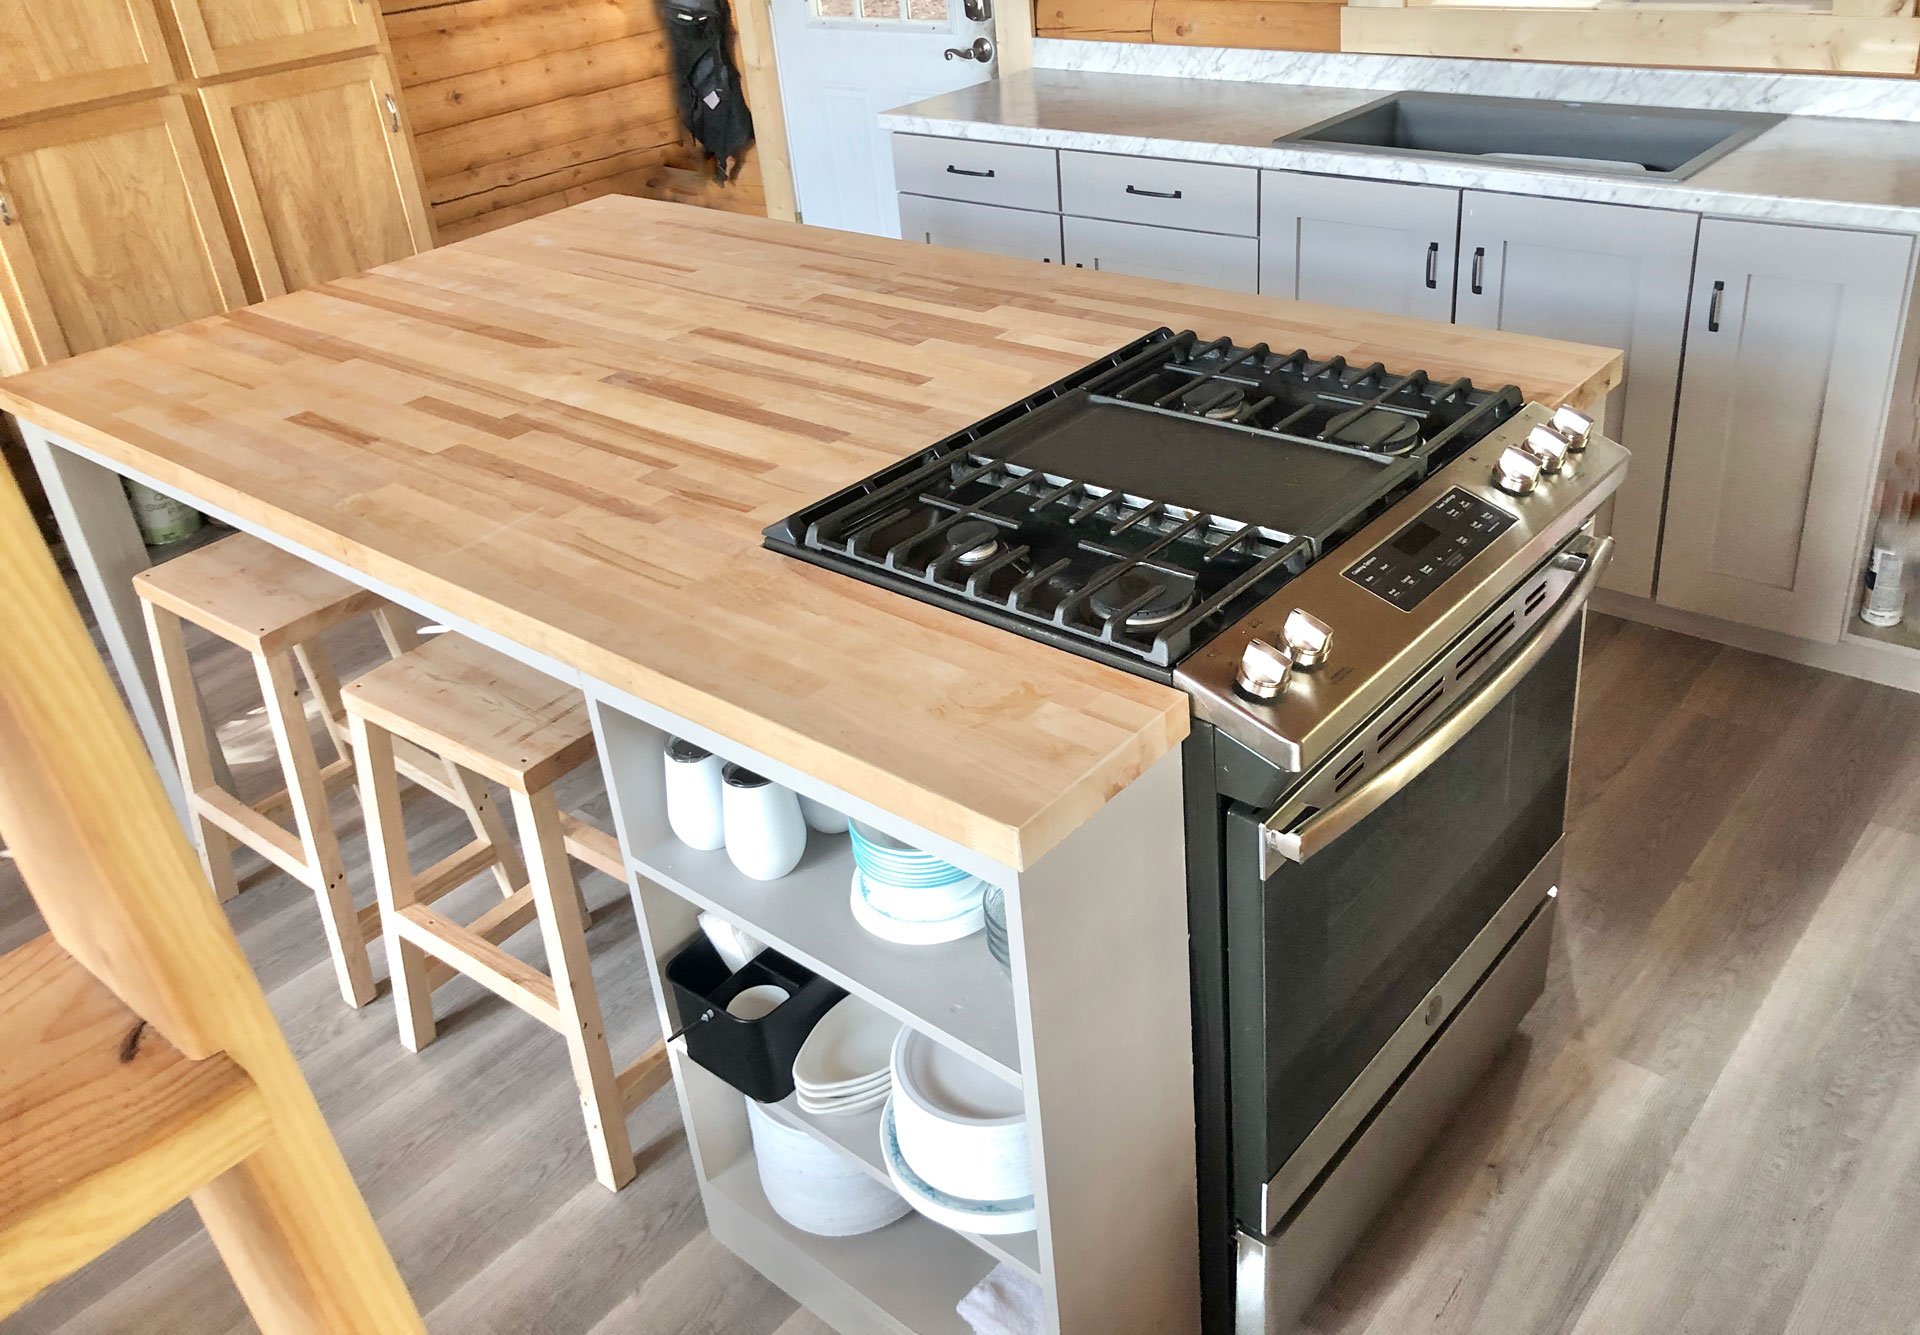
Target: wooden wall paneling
<point>1269,24</point>
<point>318,164</point>
<point>545,77</point>
<point>114,229</point>
<point>1631,36</point>
<point>448,40</point>
<point>231,36</point>
<point>54,55</point>
<point>1095,20</point>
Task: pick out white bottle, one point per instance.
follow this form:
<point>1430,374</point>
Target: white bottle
<point>694,807</point>
<point>765,832</point>
<point>1885,601</point>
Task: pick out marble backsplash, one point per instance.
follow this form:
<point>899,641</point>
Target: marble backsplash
<point>1719,90</point>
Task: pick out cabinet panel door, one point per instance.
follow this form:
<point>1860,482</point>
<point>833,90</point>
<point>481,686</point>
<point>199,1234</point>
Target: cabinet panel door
<point>1790,352</point>
<point>998,231</point>
<point>113,230</point>
<point>228,36</point>
<point>1367,245</point>
<point>321,170</point>
<point>1230,262</point>
<point>1594,273</point>
<point>57,54</point>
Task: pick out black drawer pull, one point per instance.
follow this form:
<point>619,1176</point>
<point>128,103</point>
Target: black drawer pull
<point>1153,194</point>
<point>1479,270</point>
<point>1433,264</point>
<point>1713,307</point>
<point>962,171</point>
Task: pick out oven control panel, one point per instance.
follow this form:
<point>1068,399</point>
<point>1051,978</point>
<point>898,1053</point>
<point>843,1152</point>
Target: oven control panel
<point>1418,559</point>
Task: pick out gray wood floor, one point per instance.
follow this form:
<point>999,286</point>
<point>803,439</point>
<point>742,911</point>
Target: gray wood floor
<point>1711,1123</point>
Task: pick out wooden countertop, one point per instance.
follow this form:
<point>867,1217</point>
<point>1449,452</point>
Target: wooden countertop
<point>571,432</point>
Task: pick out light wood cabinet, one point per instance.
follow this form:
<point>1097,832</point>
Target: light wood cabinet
<point>230,36</point>
<point>1603,274</point>
<point>1790,352</point>
<point>56,54</point>
<point>109,229</point>
<point>1230,262</point>
<point>1367,245</point>
<point>321,171</point>
<point>982,227</point>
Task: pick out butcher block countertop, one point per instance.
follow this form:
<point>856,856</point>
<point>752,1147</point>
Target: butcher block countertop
<point>571,432</point>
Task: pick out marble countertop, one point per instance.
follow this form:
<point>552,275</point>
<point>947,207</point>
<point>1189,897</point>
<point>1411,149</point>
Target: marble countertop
<point>1807,169</point>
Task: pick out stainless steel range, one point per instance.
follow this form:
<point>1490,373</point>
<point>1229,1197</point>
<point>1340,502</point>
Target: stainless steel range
<point>1372,585</point>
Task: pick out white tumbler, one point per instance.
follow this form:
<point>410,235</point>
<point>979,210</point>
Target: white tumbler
<point>765,832</point>
<point>694,808</point>
<point>819,816</point>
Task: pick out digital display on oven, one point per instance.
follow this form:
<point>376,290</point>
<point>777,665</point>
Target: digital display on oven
<point>1420,557</point>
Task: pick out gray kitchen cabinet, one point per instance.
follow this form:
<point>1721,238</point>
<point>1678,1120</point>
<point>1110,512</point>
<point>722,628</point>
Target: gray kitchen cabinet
<point>1593,273</point>
<point>1368,245</point>
<point>1790,353</point>
<point>1230,262</point>
<point>984,227</point>
<point>1162,192</point>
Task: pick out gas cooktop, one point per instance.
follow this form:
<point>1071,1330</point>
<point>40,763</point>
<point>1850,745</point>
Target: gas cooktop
<point>1141,505</point>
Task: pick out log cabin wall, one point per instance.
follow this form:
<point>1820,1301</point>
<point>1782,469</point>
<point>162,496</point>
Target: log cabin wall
<point>1854,36</point>
<point>520,107</point>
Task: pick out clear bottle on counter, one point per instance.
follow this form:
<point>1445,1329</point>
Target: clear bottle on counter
<point>1883,601</point>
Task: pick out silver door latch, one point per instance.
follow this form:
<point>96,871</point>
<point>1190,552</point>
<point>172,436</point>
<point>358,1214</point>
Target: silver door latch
<point>981,50</point>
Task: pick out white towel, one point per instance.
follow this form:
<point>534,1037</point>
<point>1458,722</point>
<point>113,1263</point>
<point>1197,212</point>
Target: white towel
<point>1006,1302</point>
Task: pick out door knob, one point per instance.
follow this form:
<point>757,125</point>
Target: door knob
<point>981,50</point>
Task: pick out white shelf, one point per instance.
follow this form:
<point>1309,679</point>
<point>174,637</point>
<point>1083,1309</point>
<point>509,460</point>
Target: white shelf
<point>857,1138</point>
<point>904,1279</point>
<point>956,993</point>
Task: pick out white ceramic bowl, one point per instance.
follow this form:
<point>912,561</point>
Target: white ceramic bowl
<point>819,816</point>
<point>756,1003</point>
<point>815,1188</point>
<point>961,1127</point>
<point>1017,1215</point>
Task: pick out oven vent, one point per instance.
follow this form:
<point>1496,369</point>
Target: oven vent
<point>1350,771</point>
<point>1538,596</point>
<point>1486,645</point>
<point>1411,714</point>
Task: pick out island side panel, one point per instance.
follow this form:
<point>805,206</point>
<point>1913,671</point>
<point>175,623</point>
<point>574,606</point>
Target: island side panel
<point>1098,929</point>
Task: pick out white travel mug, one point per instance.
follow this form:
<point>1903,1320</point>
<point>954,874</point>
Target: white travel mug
<point>694,808</point>
<point>819,816</point>
<point>765,832</point>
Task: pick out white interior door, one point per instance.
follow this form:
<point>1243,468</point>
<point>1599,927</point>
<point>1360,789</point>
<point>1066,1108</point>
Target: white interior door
<point>842,63</point>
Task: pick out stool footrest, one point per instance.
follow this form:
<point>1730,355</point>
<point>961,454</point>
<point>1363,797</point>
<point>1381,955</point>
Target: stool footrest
<point>454,870</point>
<point>593,846</point>
<point>498,923</point>
<point>638,1082</point>
<point>472,954</point>
<point>273,842</point>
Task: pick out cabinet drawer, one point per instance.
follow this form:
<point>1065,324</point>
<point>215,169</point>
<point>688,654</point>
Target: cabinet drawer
<point>985,227</point>
<point>1229,262</point>
<point>1201,196</point>
<point>1013,175</point>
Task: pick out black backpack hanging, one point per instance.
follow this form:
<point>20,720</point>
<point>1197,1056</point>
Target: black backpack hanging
<point>711,105</point>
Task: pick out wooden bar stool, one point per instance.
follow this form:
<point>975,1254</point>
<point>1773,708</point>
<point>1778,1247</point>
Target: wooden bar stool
<point>274,606</point>
<point>489,715</point>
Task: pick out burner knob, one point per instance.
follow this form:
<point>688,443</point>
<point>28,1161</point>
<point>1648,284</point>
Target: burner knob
<point>1574,427</point>
<point>1548,447</point>
<point>1307,638</point>
<point>1264,670</point>
<point>1517,473</point>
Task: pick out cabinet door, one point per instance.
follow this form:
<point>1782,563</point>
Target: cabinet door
<point>998,231</point>
<point>1367,245</point>
<point>1230,262</point>
<point>54,55</point>
<point>228,36</point>
<point>1790,351</point>
<point>110,229</point>
<point>321,170</point>
<point>1594,273</point>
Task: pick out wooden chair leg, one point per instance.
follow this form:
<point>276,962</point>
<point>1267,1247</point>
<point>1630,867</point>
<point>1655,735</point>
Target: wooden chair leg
<point>393,879</point>
<point>317,667</point>
<point>192,749</point>
<point>564,932</point>
<point>281,695</point>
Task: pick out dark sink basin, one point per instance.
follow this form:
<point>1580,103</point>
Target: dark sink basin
<point>1672,142</point>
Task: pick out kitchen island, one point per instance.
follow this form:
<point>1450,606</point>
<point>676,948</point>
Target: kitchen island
<point>563,439</point>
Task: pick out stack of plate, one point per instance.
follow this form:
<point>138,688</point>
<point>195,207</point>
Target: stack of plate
<point>954,1138</point>
<point>814,1187</point>
<point>903,895</point>
<point>844,1067</point>
<point>993,905</point>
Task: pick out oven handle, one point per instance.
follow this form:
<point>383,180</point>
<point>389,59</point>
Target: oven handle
<point>1302,843</point>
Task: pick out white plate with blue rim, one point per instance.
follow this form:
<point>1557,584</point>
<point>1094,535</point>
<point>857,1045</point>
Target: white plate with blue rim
<point>955,1212</point>
<point>913,931</point>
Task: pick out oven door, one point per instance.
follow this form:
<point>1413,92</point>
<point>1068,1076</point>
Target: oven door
<point>1355,907</point>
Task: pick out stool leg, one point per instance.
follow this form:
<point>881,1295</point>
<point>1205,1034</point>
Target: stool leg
<point>192,749</point>
<point>393,879</point>
<point>509,872</point>
<point>317,667</point>
<point>315,824</point>
<point>561,926</point>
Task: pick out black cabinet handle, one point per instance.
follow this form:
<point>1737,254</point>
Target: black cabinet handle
<point>1153,194</point>
<point>962,171</point>
<point>1713,307</point>
<point>1479,269</point>
<point>1433,264</point>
